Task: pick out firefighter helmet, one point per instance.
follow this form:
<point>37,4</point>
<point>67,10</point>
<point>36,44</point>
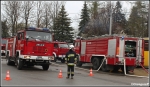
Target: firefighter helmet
<point>71,46</point>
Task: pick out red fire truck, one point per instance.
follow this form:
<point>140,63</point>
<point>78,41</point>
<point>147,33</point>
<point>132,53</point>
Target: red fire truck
<point>60,49</point>
<point>3,47</point>
<point>31,46</point>
<point>114,49</point>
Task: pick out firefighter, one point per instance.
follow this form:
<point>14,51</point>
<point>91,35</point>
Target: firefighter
<point>70,60</point>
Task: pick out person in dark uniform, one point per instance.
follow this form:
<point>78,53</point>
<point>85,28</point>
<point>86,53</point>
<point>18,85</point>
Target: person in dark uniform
<point>70,60</point>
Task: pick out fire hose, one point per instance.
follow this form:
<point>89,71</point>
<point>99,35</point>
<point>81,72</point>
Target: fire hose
<point>86,69</point>
<point>129,74</point>
<point>125,69</point>
<point>101,63</point>
<point>143,67</point>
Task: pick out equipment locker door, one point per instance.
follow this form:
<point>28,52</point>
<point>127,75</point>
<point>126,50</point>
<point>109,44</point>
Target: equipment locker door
<point>6,47</point>
<point>111,51</point>
<point>83,49</point>
<point>14,45</point>
<point>139,50</point>
<point>121,49</point>
<point>111,47</point>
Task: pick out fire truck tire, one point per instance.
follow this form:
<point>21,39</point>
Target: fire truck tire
<point>55,58</point>
<point>19,64</point>
<point>8,60</point>
<point>45,67</point>
<point>104,67</point>
<point>116,68</point>
<point>63,60</point>
<point>96,63</point>
<point>79,63</point>
<point>122,69</point>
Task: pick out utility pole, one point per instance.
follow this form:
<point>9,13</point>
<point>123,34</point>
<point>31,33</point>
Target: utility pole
<point>0,33</point>
<point>149,24</point>
<point>110,29</point>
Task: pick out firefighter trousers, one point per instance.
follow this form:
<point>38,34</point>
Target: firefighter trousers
<point>70,70</point>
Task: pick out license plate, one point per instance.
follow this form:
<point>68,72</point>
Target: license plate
<point>39,58</point>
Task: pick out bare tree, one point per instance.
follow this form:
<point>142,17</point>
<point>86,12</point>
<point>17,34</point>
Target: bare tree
<point>100,24</point>
<point>27,8</point>
<point>50,10</point>
<point>39,13</point>
<point>47,14</point>
<point>12,11</point>
<point>56,8</point>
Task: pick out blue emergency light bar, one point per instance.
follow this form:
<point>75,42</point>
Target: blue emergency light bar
<point>38,29</point>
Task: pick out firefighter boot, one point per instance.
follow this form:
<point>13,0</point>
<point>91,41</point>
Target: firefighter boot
<point>68,76</point>
<point>71,77</point>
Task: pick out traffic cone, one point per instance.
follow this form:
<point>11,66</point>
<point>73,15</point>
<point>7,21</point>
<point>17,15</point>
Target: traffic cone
<point>60,74</point>
<point>7,76</point>
<point>91,74</point>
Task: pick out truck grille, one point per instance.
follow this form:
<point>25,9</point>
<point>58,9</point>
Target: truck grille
<point>39,49</point>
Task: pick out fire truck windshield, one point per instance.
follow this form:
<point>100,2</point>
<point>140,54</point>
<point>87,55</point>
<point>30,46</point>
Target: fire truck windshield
<point>63,45</point>
<point>39,35</point>
<point>3,41</point>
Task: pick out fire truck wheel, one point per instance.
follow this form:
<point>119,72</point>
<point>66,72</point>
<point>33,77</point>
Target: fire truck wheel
<point>96,63</point>
<point>78,64</point>
<point>45,67</point>
<point>63,60</point>
<point>55,58</point>
<point>19,64</point>
<point>8,60</point>
<point>116,68</point>
<point>122,69</point>
<point>104,67</point>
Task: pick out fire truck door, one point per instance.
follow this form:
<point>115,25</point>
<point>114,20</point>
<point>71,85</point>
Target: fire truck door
<point>139,50</point>
<point>121,49</point>
<point>20,41</point>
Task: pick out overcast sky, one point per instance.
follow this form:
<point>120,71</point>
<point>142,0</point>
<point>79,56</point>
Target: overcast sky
<point>73,8</point>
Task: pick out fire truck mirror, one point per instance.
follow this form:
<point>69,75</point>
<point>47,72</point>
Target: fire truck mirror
<point>18,36</point>
<point>27,37</point>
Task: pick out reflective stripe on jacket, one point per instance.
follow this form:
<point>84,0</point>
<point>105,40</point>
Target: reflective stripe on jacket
<point>71,64</point>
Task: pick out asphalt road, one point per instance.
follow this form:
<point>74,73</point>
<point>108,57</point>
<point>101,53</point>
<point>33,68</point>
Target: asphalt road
<point>36,76</point>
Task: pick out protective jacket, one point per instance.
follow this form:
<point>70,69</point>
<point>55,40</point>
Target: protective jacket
<point>70,57</point>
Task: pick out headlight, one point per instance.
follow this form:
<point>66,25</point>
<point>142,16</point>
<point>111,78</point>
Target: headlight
<point>51,58</point>
<point>3,51</point>
<point>26,57</point>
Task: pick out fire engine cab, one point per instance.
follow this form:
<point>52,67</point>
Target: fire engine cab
<point>31,46</point>
<point>60,49</point>
<point>3,47</point>
<point>114,49</point>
